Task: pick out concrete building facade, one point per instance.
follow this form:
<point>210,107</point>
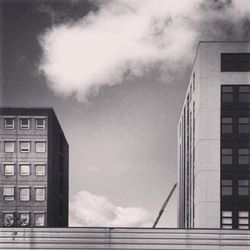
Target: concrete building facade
<point>33,169</point>
<point>213,139</point>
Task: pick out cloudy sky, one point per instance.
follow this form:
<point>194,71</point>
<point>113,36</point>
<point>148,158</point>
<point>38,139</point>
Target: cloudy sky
<point>115,72</point>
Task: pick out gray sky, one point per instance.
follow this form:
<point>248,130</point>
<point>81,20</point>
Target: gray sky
<point>116,74</point>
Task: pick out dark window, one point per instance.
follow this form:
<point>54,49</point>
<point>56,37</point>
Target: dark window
<point>244,125</point>
<point>244,94</point>
<point>227,94</point>
<point>243,187</point>
<point>227,156</point>
<point>243,156</point>
<point>227,188</point>
<point>227,125</point>
<point>235,62</point>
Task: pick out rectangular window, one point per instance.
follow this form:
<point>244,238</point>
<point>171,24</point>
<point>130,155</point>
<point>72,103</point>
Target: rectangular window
<point>9,123</point>
<point>243,220</point>
<point>243,187</point>
<point>25,146</point>
<point>227,156</point>
<point>244,125</point>
<point>9,169</point>
<point>226,219</point>
<point>227,94</point>
<point>235,62</point>
<point>8,219</point>
<point>227,125</point>
<point>227,187</point>
<point>24,219</point>
<point>40,146</point>
<point>244,94</point>
<point>9,146</point>
<point>39,219</point>
<point>24,193</point>
<point>40,169</point>
<point>243,156</point>
<point>24,123</point>
<point>9,193</point>
<point>24,169</point>
<point>40,123</point>
<point>40,194</point>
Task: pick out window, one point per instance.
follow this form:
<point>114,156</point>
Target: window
<point>24,219</point>
<point>227,157</point>
<point>8,219</point>
<point>235,62</point>
<point>24,146</point>
<point>9,169</point>
<point>227,94</point>
<point>9,123</point>
<point>243,156</point>
<point>226,219</point>
<point>24,193</point>
<point>39,219</point>
<point>40,169</point>
<point>227,125</point>
<point>40,123</point>
<point>8,193</point>
<point>244,94</point>
<point>40,146</point>
<point>40,194</point>
<point>24,123</point>
<point>243,187</point>
<point>244,125</point>
<point>9,146</point>
<point>24,169</point>
<point>227,187</point>
<point>243,220</point>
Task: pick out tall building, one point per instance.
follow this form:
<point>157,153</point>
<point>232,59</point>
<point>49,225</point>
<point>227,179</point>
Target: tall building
<point>33,169</point>
<point>214,139</point>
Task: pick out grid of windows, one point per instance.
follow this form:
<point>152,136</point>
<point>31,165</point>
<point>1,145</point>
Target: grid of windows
<point>235,156</point>
<point>9,146</point>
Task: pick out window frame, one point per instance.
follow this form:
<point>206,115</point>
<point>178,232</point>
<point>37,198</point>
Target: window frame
<point>4,169</point>
<point>43,126</point>
<point>9,126</point>
<point>45,146</point>
<point>25,150</point>
<point>29,193</point>
<point>13,219</point>
<point>9,141</point>
<point>22,165</point>
<point>44,193</point>
<point>44,170</point>
<point>8,197</point>
<point>21,125</point>
<point>35,219</point>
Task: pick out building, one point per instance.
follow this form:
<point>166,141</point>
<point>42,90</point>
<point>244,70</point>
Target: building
<point>33,169</point>
<point>214,139</point>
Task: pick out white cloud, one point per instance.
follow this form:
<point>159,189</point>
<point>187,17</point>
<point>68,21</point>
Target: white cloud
<point>126,37</point>
<point>87,209</point>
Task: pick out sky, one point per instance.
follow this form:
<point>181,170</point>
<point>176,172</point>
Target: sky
<point>115,72</point>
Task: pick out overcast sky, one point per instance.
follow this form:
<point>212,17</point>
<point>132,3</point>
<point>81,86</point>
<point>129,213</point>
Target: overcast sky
<point>115,72</point>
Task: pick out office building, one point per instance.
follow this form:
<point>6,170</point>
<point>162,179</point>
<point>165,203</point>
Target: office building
<point>214,139</point>
<point>33,169</point>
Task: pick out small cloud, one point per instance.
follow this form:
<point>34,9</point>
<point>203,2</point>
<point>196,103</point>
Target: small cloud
<point>87,209</point>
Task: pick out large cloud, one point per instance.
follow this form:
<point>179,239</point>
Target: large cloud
<point>126,37</point>
<point>87,209</point>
